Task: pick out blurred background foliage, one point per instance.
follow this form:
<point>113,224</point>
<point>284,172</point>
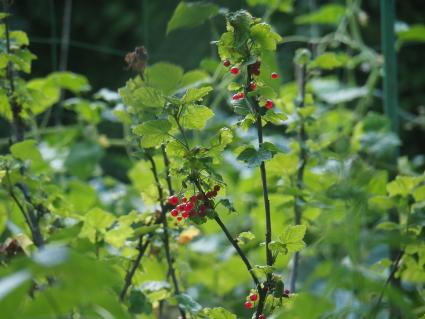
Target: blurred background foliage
<point>348,179</point>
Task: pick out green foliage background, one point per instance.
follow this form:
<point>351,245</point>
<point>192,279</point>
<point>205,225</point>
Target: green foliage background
<point>87,173</point>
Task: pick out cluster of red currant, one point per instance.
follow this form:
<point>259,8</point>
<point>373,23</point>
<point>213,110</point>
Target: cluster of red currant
<point>253,69</point>
<point>252,299</point>
<point>197,205</point>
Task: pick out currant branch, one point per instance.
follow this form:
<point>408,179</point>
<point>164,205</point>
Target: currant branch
<point>165,229</point>
<point>301,68</point>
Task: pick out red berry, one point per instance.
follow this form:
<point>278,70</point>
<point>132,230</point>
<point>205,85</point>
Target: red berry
<point>235,97</point>
<point>184,200</point>
<point>185,215</point>
<point>234,70</point>
<point>275,75</point>
<point>287,291</point>
<point>181,207</point>
<point>269,104</point>
<point>252,86</point>
<point>214,193</point>
<point>253,297</point>
<point>216,188</point>
<point>193,199</point>
<point>188,207</point>
<point>226,63</point>
<point>174,213</point>
<point>179,218</point>
<point>248,305</point>
<point>261,316</point>
<point>173,200</point>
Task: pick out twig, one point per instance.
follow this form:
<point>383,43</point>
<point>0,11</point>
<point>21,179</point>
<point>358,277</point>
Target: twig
<point>269,255</point>
<point>302,162</point>
<point>166,235</point>
<point>18,124</point>
<point>129,277</point>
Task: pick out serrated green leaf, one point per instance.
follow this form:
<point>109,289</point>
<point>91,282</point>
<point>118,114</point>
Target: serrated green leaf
<point>292,238</point>
<point>187,303</point>
<point>419,194</point>
<point>218,313</point>
<point>195,94</point>
<point>27,151</point>
<point>196,116</point>
<point>153,133</point>
<point>262,34</point>
<point>254,157</point>
<point>245,237</point>
<point>329,61</point>
<point>191,14</point>
<point>403,185</point>
<point>164,76</point>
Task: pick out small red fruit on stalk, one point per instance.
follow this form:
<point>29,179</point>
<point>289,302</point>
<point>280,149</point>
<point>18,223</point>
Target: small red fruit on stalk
<point>173,200</point>
<point>181,207</point>
<point>261,316</point>
<point>185,215</point>
<point>174,213</point>
<point>226,63</point>
<point>188,207</point>
<point>287,291</point>
<point>252,86</point>
<point>248,305</point>
<point>253,297</point>
<point>275,75</point>
<point>179,218</point>
<point>269,104</point>
<point>234,70</point>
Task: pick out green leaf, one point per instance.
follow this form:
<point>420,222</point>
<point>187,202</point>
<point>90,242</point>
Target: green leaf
<point>327,14</point>
<point>419,194</point>
<point>96,220</point>
<point>194,78</point>
<point>415,33</point>
<point>83,159</point>
<point>262,34</point>
<point>22,60</point>
<point>329,61</point>
<point>139,303</point>
<point>19,37</point>
<point>153,133</point>
<point>165,77</point>
<point>245,237</point>
<point>403,185</point>
<point>28,151</point>
<point>196,116</point>
<point>292,238</point>
<point>118,236</point>
<point>5,110</point>
<point>254,157</point>
<point>218,313</point>
<point>281,5</point>
<point>191,14</point>
<point>195,94</point>
<point>71,81</point>
<point>187,303</point>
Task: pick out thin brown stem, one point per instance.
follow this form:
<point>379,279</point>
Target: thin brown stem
<point>130,274</point>
<point>302,162</point>
<point>166,234</point>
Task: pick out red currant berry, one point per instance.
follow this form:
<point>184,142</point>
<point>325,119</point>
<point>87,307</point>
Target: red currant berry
<point>269,104</point>
<point>235,97</point>
<point>226,63</point>
<point>188,207</point>
<point>214,193</point>
<point>252,86</point>
<point>181,207</point>
<point>193,199</point>
<point>216,188</point>
<point>173,200</point>
<point>275,75</point>
<point>261,316</point>
<point>179,218</point>
<point>253,297</point>
<point>234,70</point>
<point>185,215</point>
<point>248,305</point>
<point>174,213</point>
<point>287,291</point>
<point>184,200</point>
